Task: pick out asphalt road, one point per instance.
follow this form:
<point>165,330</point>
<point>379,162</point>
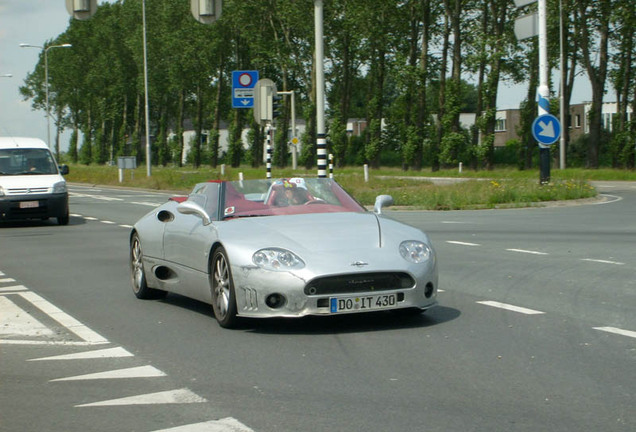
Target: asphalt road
<point>535,331</point>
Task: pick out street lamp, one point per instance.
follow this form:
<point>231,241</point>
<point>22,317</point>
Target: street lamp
<point>6,76</point>
<point>46,80</point>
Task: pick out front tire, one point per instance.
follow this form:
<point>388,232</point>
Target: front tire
<point>137,273</point>
<point>222,285</point>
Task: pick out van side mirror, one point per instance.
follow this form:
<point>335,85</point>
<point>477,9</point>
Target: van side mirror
<point>63,169</point>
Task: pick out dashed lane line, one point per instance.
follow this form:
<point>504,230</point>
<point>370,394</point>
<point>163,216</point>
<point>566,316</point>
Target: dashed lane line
<point>602,261</point>
<point>107,222</point>
<point>462,243</point>
<point>617,331</point>
<point>531,252</point>
<point>511,307</point>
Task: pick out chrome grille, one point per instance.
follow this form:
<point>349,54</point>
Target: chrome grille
<point>27,191</point>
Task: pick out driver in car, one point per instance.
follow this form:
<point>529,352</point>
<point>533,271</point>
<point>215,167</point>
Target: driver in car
<point>293,195</point>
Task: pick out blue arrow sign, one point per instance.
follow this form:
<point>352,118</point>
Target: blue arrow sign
<point>546,129</point>
<point>243,83</point>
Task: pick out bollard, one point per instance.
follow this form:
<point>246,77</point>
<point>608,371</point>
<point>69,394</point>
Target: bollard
<point>366,173</point>
<point>460,167</point>
<point>222,169</point>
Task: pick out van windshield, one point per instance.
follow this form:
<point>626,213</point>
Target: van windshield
<point>21,161</point>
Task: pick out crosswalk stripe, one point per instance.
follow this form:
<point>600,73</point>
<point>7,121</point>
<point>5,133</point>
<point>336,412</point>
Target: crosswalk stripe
<point>134,372</point>
<point>181,396</point>
<point>228,424</point>
<point>63,318</point>
<point>95,354</point>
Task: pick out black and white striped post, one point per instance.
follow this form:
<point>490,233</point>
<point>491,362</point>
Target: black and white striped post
<point>268,149</point>
<point>321,136</point>
<point>330,165</point>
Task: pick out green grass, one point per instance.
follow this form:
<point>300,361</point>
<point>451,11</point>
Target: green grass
<point>482,189</point>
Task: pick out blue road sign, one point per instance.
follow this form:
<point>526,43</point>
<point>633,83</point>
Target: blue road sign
<point>243,83</point>
<point>546,129</point>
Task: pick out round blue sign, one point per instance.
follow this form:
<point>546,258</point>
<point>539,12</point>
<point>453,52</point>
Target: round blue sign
<point>546,129</point>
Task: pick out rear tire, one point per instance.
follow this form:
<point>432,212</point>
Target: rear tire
<point>138,275</point>
<point>222,286</point>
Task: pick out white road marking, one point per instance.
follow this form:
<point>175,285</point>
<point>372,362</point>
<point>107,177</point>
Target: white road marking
<point>602,261</point>
<point>453,222</point>
<point>527,251</point>
<point>63,318</point>
<point>90,218</point>
<point>462,243</point>
<point>108,222</point>
<point>134,372</point>
<point>616,199</point>
<point>511,307</point>
<point>228,424</point>
<point>13,288</point>
<point>181,396</point>
<point>126,226</point>
<point>145,203</point>
<point>89,355</point>
<point>617,331</point>
<point>6,280</point>
<point>14,321</point>
<point>97,197</point>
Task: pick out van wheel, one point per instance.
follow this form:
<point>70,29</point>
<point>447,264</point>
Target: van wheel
<point>63,220</point>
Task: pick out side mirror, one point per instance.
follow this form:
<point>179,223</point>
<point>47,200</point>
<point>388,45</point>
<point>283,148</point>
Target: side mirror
<point>191,208</point>
<point>63,169</point>
<point>382,201</point>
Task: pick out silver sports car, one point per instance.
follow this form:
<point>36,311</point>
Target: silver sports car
<point>281,248</point>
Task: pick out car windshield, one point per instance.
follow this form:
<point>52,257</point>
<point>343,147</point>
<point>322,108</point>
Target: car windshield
<point>21,161</point>
<point>286,196</point>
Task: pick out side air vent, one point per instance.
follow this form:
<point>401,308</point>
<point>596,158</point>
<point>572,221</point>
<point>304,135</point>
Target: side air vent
<point>165,216</point>
<point>164,273</point>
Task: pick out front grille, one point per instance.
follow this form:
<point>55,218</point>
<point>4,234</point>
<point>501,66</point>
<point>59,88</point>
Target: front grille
<point>27,191</point>
<point>359,282</point>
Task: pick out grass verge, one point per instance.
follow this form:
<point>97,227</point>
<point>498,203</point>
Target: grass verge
<point>477,189</point>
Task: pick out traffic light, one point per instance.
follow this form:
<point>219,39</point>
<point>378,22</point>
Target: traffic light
<point>276,105</point>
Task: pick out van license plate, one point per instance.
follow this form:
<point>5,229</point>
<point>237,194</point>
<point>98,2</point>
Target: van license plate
<point>29,204</point>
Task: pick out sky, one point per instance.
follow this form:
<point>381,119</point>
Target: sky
<point>37,21</point>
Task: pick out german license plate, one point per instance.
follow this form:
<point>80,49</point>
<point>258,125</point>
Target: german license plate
<point>360,303</point>
<point>29,204</point>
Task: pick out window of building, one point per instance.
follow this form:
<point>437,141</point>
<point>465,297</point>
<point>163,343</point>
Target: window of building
<point>500,125</point>
<point>577,121</point>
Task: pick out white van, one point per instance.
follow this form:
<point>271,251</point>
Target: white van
<point>31,183</point>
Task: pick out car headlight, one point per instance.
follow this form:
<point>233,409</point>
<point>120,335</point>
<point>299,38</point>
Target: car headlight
<point>59,187</point>
<point>415,251</point>
<point>277,259</point>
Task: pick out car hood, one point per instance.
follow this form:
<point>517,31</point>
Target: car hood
<point>326,232</point>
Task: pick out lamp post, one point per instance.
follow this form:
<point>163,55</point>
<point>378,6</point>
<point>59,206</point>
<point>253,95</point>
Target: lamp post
<point>6,75</point>
<point>146,108</point>
<point>46,80</point>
